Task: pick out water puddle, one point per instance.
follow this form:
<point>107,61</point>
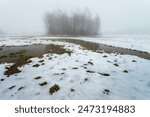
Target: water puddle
<point>20,55</point>
<point>108,49</point>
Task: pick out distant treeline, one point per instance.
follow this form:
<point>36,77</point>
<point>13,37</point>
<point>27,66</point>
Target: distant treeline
<point>78,23</point>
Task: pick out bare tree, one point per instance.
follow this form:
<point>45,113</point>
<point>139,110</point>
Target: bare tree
<point>79,23</point>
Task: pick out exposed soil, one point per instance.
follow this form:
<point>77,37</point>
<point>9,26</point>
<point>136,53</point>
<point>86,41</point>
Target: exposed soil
<point>106,91</point>
<point>90,71</point>
<point>54,89</point>
<point>36,65</point>
<point>20,55</point>
<point>37,78</point>
<point>43,83</point>
<point>72,90</point>
<point>125,71</point>
<point>96,47</point>
<point>20,88</point>
<point>12,87</point>
<point>104,74</point>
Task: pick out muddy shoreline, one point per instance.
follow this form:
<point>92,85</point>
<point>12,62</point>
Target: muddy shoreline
<point>106,48</point>
<point>20,55</point>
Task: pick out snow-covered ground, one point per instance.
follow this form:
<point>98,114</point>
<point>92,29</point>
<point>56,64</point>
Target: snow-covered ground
<point>131,42</point>
<point>83,75</point>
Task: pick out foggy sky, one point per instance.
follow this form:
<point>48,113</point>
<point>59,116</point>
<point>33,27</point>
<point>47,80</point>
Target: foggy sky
<point>117,16</point>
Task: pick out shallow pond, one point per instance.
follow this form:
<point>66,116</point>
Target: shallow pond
<point>20,55</point>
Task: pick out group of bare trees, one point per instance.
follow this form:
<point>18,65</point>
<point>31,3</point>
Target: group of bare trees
<point>78,23</point>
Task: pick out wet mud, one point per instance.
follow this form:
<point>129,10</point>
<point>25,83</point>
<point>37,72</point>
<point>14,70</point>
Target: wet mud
<point>20,55</point>
<point>96,47</point>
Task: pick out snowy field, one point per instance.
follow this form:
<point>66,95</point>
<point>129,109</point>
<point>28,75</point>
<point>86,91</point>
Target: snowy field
<point>82,75</point>
<point>131,42</point>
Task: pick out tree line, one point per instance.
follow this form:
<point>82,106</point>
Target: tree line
<point>77,23</point>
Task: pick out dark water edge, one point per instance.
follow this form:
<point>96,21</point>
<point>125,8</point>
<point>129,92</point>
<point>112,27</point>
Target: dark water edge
<point>106,48</point>
<point>20,55</point>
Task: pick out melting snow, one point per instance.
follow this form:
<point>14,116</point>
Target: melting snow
<point>83,75</point>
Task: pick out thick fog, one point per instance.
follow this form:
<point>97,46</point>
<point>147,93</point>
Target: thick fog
<point>25,17</point>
